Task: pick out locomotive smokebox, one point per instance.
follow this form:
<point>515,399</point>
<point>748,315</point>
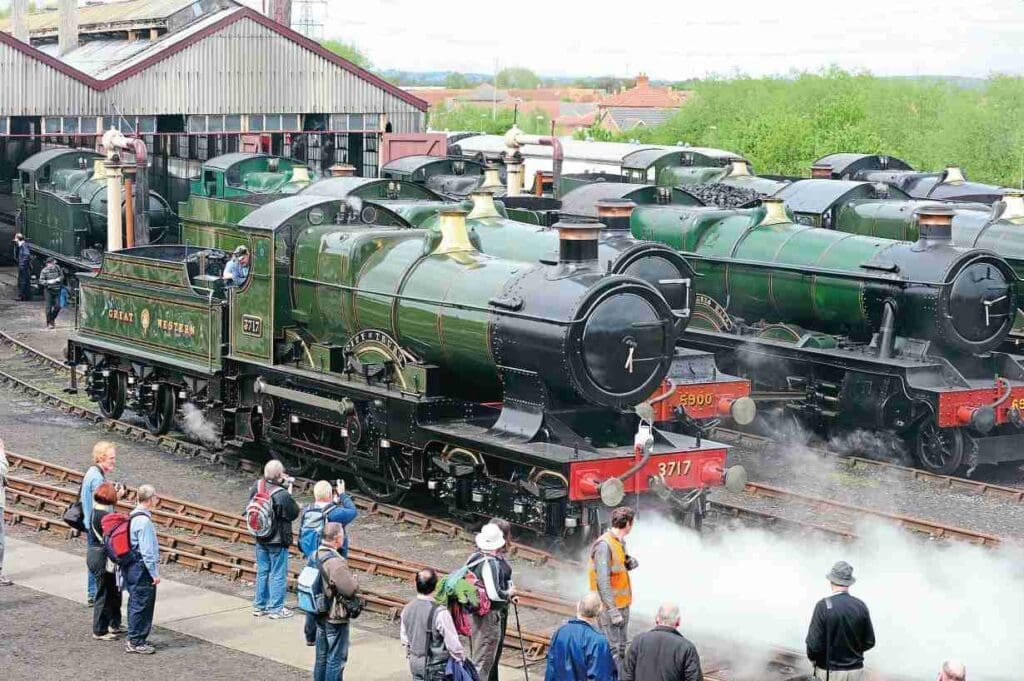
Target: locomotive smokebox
<point>935,223</point>
<point>615,213</point>
<point>577,241</point>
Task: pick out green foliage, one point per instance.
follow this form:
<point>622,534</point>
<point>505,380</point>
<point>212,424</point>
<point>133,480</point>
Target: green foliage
<point>349,51</point>
<point>480,119</point>
<point>783,124</point>
<point>517,77</point>
<point>456,81</point>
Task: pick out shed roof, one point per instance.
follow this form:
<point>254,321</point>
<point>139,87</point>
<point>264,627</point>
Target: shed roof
<point>176,42</point>
<point>128,11</point>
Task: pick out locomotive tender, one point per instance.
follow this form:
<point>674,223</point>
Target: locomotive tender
<point>865,333</point>
<point>407,357</point>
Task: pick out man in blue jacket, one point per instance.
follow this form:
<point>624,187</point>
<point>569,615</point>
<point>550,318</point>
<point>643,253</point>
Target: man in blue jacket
<point>578,651</point>
<point>24,257</point>
<point>312,521</point>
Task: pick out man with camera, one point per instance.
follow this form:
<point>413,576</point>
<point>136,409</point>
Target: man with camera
<point>269,516</point>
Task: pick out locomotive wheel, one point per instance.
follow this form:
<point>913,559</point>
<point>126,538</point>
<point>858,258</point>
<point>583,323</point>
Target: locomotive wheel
<point>391,484</point>
<point>939,450</point>
<point>161,414</point>
<point>112,404</point>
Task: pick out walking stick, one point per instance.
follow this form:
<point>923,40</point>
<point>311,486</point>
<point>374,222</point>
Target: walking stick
<point>522,643</point>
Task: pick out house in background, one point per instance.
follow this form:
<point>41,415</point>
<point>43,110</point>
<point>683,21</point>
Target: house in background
<point>641,105</point>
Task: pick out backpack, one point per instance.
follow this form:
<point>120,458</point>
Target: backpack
<point>310,590</point>
<point>117,540</point>
<point>311,528</point>
<point>461,592</point>
<point>259,513</point>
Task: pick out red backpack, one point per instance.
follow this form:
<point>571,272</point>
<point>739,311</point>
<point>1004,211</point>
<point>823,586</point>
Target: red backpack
<point>117,540</point>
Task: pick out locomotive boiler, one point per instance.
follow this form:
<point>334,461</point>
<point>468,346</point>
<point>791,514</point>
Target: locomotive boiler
<point>863,332</point>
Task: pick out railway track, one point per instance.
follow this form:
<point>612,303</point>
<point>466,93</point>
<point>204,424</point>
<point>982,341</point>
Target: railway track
<point>958,484</point>
<point>451,529</point>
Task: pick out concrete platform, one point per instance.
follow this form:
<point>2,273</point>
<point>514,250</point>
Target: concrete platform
<point>214,617</point>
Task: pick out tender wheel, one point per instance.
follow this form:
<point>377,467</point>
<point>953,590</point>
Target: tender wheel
<point>939,450</point>
<point>161,414</point>
<point>113,401</point>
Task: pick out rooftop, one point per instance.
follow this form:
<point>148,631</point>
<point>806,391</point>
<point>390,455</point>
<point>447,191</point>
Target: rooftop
<point>118,16</point>
<point>645,96</point>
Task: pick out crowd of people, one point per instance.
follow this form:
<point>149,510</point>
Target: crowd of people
<point>123,556</point>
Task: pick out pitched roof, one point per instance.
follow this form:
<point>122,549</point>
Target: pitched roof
<point>643,95</point>
<point>628,118</point>
<point>176,42</point>
<point>121,13</point>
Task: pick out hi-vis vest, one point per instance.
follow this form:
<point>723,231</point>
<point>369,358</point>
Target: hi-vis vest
<point>619,576</point>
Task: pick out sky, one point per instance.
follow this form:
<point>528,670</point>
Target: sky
<point>680,39</point>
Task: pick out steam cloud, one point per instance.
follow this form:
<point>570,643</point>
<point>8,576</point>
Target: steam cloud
<point>928,602</point>
<point>195,424</point>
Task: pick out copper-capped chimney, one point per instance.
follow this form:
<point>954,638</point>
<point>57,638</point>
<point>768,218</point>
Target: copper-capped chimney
<point>615,213</point>
<point>935,223</point>
<point>577,241</point>
<point>342,170</point>
<point>454,232</point>
<point>821,171</point>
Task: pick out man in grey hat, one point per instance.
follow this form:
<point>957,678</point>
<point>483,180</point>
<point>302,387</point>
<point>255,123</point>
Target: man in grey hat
<point>236,271</point>
<point>840,631</point>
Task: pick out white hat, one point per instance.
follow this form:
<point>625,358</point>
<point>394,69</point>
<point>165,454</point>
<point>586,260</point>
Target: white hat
<point>490,538</point>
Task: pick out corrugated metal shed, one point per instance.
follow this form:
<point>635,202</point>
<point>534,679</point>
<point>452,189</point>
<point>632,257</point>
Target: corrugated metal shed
<point>96,56</point>
<point>148,12</point>
<point>234,61</point>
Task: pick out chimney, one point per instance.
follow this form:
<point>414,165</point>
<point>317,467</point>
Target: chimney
<point>642,80</point>
<point>19,25</point>
<point>492,177</point>
<point>954,175</point>
<point>935,223</point>
<point>1014,202</point>
<point>738,167</point>
<point>577,241</point>
<point>615,213</point>
<point>67,26</point>
<point>281,12</point>
<point>342,170</point>
<point>822,171</point>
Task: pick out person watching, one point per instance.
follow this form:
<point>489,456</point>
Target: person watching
<point>423,617</point>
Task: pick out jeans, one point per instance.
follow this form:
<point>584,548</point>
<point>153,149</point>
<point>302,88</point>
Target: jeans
<point>331,651</point>
<point>141,602</point>
<point>271,577</point>
<point>90,578</point>
<point>309,629</point>
<point>52,297</point>
<point>24,280</point>
<point>106,612</point>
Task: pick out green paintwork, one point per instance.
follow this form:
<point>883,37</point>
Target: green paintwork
<point>241,174</point>
<point>213,223</point>
<point>64,205</point>
<point>142,300</point>
<point>749,286</point>
<point>253,300</point>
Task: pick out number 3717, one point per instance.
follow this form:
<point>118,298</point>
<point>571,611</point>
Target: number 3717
<point>674,468</point>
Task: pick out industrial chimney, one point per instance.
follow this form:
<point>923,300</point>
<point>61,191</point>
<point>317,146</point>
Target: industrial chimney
<point>67,26</point>
<point>19,25</point>
<point>281,12</point>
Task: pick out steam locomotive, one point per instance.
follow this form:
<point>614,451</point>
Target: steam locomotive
<point>408,358</point>
<point>861,332</point>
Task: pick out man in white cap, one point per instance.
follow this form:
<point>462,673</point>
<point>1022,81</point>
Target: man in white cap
<point>840,631</point>
<point>488,631</point>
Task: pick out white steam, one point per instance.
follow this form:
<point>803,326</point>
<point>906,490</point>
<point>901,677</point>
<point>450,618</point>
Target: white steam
<point>928,602</point>
<point>195,424</point>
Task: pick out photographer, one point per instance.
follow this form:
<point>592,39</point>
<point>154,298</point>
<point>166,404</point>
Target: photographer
<point>269,515</point>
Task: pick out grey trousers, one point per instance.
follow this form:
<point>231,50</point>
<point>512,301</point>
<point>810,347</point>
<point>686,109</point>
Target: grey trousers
<point>485,639</point>
<point>2,536</point>
<point>839,674</point>
<point>616,635</point>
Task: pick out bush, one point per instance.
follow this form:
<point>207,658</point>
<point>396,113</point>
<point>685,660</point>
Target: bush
<point>783,124</point>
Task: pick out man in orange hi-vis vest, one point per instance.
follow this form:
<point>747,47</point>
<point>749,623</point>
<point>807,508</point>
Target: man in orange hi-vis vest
<point>609,576</point>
